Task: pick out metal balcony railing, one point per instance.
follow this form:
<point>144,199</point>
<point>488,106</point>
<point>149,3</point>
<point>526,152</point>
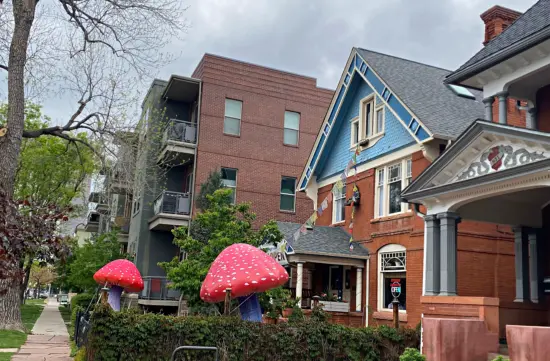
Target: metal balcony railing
<point>172,203</point>
<point>156,288</point>
<point>180,131</point>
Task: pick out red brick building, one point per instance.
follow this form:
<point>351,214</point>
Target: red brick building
<point>254,124</point>
<point>259,152</point>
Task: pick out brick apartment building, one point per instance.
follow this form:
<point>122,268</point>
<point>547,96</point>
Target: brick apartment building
<point>256,125</point>
<point>406,117</point>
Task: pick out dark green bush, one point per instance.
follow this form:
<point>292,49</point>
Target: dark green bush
<point>82,300</point>
<point>129,335</point>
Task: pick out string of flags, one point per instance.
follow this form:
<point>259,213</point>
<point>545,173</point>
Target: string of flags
<point>336,190</point>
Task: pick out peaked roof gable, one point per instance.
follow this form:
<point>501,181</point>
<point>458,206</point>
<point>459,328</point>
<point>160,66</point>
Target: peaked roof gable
<point>484,152</point>
<point>528,30</point>
<point>414,92</point>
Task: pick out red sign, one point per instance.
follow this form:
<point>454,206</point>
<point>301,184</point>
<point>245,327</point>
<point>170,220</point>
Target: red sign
<point>495,157</point>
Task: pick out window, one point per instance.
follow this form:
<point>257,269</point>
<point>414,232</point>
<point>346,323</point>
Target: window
<point>288,194</point>
<point>229,180</point>
<point>368,108</point>
<point>136,205</point>
<point>339,206</point>
<point>390,181</point>
<point>372,118</point>
<point>461,91</point>
<point>392,267</point>
<point>292,128</point>
<point>232,120</point>
<point>355,132</point>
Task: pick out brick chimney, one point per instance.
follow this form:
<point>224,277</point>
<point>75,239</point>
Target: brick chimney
<point>497,19</point>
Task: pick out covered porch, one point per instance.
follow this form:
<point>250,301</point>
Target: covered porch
<point>321,264</point>
<point>493,174</point>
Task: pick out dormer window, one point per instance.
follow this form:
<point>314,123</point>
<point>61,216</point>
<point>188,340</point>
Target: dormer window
<point>370,124</point>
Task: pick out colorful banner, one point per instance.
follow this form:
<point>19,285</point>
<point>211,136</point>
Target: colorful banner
<point>336,188</point>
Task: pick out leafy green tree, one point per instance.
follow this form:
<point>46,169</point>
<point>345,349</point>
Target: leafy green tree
<point>90,257</point>
<point>212,184</point>
<point>51,170</point>
<point>225,224</point>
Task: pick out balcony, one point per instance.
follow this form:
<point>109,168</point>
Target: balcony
<point>157,293</point>
<point>171,210</point>
<point>178,142</point>
<point>92,222</point>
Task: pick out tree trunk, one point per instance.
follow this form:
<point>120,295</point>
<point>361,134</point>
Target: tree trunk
<point>25,283</point>
<point>10,310</point>
<point>10,144</point>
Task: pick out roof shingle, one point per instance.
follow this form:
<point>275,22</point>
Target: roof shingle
<point>531,22</point>
<point>322,240</point>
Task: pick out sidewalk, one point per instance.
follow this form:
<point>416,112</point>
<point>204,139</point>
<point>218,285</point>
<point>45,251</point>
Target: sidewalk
<point>49,340</point>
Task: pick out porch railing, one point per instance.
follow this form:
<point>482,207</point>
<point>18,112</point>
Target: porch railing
<point>156,288</point>
<point>172,203</point>
<point>181,131</point>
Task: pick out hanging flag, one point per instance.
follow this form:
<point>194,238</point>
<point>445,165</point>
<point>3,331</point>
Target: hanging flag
<point>320,210</point>
<point>313,218</point>
<point>352,212</point>
<point>337,186</point>
<point>303,228</point>
<point>297,234</point>
<point>349,166</point>
<point>324,205</point>
<point>357,150</point>
<point>354,158</point>
<point>351,226</point>
<point>351,240</point>
<point>351,247</point>
<point>343,176</point>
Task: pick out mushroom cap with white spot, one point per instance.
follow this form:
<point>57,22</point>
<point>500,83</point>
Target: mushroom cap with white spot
<point>236,260</point>
<point>122,273</point>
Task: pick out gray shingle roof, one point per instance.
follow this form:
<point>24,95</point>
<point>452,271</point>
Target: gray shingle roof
<point>421,88</point>
<point>322,240</point>
<point>531,22</point>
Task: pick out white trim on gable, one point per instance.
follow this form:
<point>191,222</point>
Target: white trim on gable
<point>387,94</point>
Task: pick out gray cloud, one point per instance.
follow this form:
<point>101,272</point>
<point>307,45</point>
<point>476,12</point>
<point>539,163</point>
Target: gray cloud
<point>315,37</point>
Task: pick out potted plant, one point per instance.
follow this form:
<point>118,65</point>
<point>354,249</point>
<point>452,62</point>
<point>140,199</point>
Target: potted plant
<point>289,306</point>
<point>271,317</point>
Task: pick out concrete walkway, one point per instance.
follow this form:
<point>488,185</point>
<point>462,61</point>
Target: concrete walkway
<point>49,340</point>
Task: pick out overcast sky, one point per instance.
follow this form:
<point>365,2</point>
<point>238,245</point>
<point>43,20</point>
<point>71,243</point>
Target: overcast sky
<point>314,37</point>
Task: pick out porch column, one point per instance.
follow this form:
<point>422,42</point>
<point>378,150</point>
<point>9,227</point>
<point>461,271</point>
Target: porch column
<point>488,102</point>
<point>299,279</point>
<point>502,107</point>
<point>521,251</point>
<point>432,254</point>
<point>534,266</point>
<point>358,289</point>
<point>448,229</point>
<point>532,118</point>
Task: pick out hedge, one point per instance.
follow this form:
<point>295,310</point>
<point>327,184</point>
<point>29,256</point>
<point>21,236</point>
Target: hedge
<point>82,300</point>
<point>129,335</point>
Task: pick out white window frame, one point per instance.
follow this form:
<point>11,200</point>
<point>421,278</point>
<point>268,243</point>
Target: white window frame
<point>335,206</point>
<point>225,116</point>
<point>297,130</point>
<point>355,132</point>
<point>389,248</point>
<point>189,181</point>
<point>288,194</point>
<point>406,178</point>
<point>234,188</point>
<point>376,105</point>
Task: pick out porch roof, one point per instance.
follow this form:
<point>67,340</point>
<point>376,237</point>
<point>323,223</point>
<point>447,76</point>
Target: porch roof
<point>323,241</point>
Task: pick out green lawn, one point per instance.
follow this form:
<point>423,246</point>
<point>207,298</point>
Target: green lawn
<point>5,356</point>
<point>29,314</point>
<point>66,315</point>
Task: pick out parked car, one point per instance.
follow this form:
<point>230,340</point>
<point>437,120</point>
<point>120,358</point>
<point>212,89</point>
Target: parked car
<point>44,295</point>
<point>63,300</point>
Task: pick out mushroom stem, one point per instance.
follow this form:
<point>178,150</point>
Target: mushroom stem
<point>114,297</point>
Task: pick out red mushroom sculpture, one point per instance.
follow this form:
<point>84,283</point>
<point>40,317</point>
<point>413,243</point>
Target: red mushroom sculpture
<point>119,275</point>
<point>245,270</point>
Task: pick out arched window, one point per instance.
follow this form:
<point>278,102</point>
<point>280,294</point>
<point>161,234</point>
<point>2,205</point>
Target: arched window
<point>392,267</point>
